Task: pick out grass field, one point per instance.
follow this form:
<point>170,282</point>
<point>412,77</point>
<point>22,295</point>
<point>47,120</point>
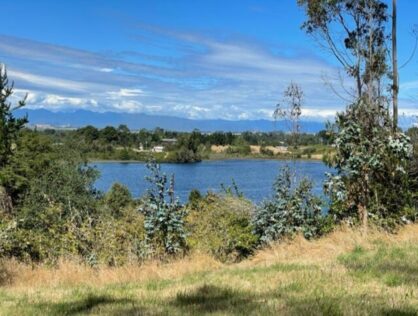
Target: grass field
<point>341,274</point>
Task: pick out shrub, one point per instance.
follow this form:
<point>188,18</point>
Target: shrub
<point>66,183</point>
<point>293,209</point>
<point>194,197</point>
<point>221,226</point>
<point>48,237</point>
<point>124,154</point>
<point>163,216</point>
<point>118,198</point>
<point>57,207</point>
<point>308,151</point>
<point>240,150</point>
<point>184,155</point>
<point>266,151</point>
<point>117,241</point>
<point>371,162</point>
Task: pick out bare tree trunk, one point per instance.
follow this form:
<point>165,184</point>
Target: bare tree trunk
<point>362,205</point>
<point>395,68</point>
<point>363,215</point>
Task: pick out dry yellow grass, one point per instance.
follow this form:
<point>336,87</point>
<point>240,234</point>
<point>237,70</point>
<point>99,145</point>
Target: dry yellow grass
<point>319,277</point>
<point>218,149</point>
<point>317,156</point>
<point>299,250</point>
<point>255,149</point>
<point>331,246</point>
<point>70,273</point>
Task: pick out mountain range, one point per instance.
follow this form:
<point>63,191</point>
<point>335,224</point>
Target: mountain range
<point>136,121</point>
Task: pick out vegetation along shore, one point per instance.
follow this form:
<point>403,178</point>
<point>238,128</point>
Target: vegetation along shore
<point>67,248</point>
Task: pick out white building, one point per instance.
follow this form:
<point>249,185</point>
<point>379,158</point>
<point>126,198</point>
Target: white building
<point>157,149</point>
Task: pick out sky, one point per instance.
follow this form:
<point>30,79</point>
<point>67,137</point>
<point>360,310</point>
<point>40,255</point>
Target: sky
<point>187,58</point>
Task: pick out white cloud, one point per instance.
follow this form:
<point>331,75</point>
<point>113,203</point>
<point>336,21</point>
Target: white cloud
<point>223,79</point>
<point>125,93</point>
<point>47,81</point>
<point>106,69</point>
<point>52,99</point>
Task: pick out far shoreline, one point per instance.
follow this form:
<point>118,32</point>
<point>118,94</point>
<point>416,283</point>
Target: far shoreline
<point>205,160</point>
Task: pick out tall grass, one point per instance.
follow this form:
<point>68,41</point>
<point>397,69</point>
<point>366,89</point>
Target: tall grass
<point>344,273</point>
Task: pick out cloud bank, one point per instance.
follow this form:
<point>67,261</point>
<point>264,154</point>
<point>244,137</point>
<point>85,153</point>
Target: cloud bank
<point>180,74</point>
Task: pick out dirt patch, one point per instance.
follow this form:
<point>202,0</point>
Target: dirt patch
<point>219,149</point>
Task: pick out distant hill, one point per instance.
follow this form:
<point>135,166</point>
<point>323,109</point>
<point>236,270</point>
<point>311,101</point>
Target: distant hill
<point>136,121</point>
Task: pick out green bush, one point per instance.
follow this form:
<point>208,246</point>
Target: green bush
<point>267,152</point>
<point>163,216</point>
<point>117,241</point>
<point>221,226</point>
<point>48,237</point>
<point>240,150</point>
<point>118,198</point>
<point>292,209</point>
<point>124,154</point>
<point>308,151</point>
<point>194,198</point>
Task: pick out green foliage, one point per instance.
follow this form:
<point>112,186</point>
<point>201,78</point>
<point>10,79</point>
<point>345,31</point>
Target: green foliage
<point>67,183</point>
<point>371,166</point>
<point>124,154</point>
<point>221,226</point>
<point>163,216</point>
<point>117,240</point>
<point>48,238</point>
<point>61,215</point>
<point>194,198</point>
<point>243,150</point>
<point>101,239</point>
<point>120,143</point>
<point>293,209</point>
<point>33,155</point>
<point>189,149</point>
<point>58,206</point>
<point>308,151</point>
<point>232,190</point>
<point>354,32</point>
<point>117,199</point>
<point>372,156</point>
<point>267,152</point>
<point>10,127</point>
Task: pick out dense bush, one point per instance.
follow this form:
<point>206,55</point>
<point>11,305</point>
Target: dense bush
<point>163,216</point>
<point>292,209</point>
<point>117,199</point>
<point>221,226</point>
<point>240,150</point>
<point>48,228</point>
<point>266,151</point>
<point>120,240</point>
<point>371,161</point>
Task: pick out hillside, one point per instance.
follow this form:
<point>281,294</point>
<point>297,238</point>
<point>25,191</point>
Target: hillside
<point>135,121</point>
<point>341,274</point>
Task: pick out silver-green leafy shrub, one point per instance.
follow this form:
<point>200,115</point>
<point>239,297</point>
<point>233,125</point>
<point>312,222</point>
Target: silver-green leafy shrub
<point>293,209</point>
<point>163,215</point>
<point>371,163</point>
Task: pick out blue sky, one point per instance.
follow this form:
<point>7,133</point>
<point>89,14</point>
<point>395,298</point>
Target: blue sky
<point>196,59</point>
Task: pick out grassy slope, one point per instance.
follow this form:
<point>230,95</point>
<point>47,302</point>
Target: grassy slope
<point>343,273</point>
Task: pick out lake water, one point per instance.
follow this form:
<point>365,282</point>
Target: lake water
<point>253,177</point>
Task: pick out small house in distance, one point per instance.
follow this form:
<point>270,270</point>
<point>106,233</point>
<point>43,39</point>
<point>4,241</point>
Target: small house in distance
<point>166,143</point>
<point>157,149</point>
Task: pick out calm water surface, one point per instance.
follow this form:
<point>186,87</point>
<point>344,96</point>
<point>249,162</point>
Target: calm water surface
<point>253,177</point>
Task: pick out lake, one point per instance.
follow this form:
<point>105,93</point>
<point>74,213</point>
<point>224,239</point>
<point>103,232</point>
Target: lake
<point>253,177</point>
